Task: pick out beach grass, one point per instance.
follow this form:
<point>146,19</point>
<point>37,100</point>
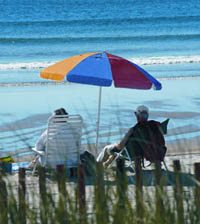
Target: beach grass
<point>107,197</point>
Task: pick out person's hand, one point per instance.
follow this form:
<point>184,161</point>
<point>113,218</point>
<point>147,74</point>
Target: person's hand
<point>113,150</point>
<point>117,145</point>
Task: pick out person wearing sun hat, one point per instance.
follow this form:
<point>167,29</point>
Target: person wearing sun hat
<point>142,115</point>
<point>145,140</point>
<point>106,155</point>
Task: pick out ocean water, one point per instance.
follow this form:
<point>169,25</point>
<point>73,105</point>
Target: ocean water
<point>161,36</point>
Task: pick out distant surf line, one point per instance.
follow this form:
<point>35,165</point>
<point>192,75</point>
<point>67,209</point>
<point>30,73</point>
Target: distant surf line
<point>162,60</point>
<point>53,83</point>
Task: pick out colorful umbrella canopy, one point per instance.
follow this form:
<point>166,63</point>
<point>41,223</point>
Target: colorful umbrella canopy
<point>101,69</point>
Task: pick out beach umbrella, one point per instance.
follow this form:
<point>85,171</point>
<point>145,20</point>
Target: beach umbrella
<point>101,69</point>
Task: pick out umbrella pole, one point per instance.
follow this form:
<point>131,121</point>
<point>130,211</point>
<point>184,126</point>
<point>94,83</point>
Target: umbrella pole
<point>98,120</point>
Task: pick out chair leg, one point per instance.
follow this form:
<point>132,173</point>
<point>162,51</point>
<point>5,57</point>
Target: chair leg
<point>131,162</point>
<point>36,163</point>
<point>165,165</point>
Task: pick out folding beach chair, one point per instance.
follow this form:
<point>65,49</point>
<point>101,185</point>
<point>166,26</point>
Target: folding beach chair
<point>124,153</point>
<point>63,141</point>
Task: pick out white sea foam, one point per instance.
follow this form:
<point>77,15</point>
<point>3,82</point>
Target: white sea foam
<point>166,60</point>
<point>24,65</point>
<point>138,60</point>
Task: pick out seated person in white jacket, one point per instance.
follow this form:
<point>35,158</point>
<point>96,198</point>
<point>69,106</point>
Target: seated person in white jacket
<point>41,142</point>
<point>40,145</point>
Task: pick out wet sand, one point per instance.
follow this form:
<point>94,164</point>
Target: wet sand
<point>23,121</point>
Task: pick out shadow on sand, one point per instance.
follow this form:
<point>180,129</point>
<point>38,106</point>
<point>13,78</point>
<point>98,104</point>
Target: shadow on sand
<point>167,178</point>
<point>148,179</point>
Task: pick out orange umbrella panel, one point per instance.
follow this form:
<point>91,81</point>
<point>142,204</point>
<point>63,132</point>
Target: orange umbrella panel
<point>59,70</point>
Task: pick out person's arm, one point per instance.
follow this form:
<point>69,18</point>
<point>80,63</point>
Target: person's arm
<point>125,139</point>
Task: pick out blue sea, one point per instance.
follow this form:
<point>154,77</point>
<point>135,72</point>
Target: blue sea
<point>161,36</point>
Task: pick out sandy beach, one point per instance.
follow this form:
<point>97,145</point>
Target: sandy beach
<point>163,37</point>
<point>20,127</point>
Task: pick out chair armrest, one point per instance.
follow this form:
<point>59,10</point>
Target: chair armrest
<point>41,153</point>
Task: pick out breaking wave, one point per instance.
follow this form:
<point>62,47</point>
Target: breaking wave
<point>25,65</point>
<point>165,60</point>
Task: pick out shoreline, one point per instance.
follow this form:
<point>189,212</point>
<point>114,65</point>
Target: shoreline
<point>23,118</point>
<point>55,83</point>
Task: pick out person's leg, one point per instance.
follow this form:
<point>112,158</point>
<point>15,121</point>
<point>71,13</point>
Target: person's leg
<point>109,160</point>
<point>73,171</point>
<point>34,162</point>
